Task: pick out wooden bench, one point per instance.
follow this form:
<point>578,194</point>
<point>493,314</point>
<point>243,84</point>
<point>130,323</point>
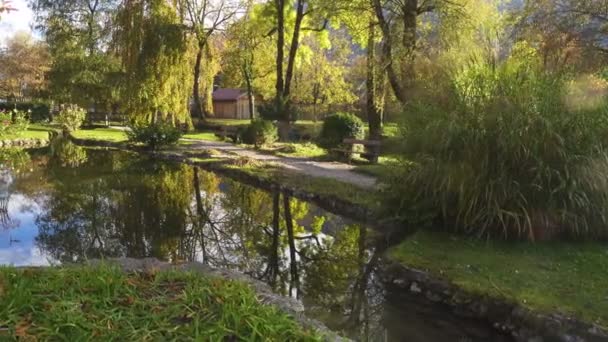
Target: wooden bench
<point>372,149</point>
<point>231,132</point>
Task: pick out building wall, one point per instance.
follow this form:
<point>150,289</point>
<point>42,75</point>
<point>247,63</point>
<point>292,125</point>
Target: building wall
<point>225,109</point>
<point>238,109</point>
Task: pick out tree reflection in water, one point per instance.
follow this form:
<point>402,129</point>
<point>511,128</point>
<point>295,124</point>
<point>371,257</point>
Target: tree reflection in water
<point>109,204</point>
<point>99,204</point>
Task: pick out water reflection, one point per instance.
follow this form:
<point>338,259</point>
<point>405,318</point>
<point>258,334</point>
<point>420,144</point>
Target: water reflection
<point>92,203</point>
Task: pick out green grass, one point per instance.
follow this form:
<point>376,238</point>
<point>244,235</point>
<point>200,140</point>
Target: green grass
<point>386,168</point>
<point>228,122</point>
<point>210,136</point>
<point>299,150</point>
<point>34,131</point>
<point>84,303</point>
<point>102,134</point>
<point>567,277</point>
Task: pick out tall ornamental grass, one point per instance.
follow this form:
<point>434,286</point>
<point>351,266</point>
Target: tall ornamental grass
<point>509,151</point>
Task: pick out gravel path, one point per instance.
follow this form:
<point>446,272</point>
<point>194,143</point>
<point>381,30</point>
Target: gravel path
<point>335,170</point>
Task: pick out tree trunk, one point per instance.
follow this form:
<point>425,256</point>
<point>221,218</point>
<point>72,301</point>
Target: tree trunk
<point>196,89</point>
<point>274,256</point>
<point>200,213</point>
<point>374,115</point>
<point>248,80</point>
<point>387,51</point>
<point>293,49</point>
<point>280,6</point>
<point>295,280</point>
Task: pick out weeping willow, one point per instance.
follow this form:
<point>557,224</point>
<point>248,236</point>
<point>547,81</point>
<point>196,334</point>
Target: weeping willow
<point>155,53</point>
<point>210,68</point>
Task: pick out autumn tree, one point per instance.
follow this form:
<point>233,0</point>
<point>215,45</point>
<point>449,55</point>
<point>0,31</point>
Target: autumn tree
<point>568,34</point>
<point>24,65</point>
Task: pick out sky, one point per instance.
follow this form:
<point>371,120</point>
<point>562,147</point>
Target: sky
<point>16,20</point>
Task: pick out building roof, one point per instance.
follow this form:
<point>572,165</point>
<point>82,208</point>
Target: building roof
<point>228,94</point>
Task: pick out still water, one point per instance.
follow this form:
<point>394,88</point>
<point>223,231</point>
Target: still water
<point>69,204</point>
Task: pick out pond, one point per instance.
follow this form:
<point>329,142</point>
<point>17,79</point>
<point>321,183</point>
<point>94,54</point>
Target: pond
<point>65,203</point>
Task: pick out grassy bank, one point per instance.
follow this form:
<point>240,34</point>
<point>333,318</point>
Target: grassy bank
<point>80,303</point>
<point>34,131</point>
<point>549,277</point>
<point>101,134</point>
<point>315,185</point>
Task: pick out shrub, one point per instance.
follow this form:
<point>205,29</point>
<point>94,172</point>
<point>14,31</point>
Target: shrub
<point>13,121</point>
<point>67,154</point>
<point>503,155</point>
<point>260,132</point>
<point>155,135</point>
<point>338,127</point>
<point>70,117</point>
<point>37,111</point>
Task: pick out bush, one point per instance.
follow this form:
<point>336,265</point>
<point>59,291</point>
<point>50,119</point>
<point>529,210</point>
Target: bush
<point>503,154</point>
<point>13,121</point>
<point>260,132</point>
<point>154,136</point>
<point>37,111</point>
<point>70,117</point>
<point>338,127</point>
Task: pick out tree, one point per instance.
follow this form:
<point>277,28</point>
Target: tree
<point>204,18</point>
<point>248,56</point>
<point>568,34</point>
<point>78,34</point>
<point>320,75</point>
<point>155,54</point>
<point>246,45</point>
<point>399,24</point>
<point>24,65</point>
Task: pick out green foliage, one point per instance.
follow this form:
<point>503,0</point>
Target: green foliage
<point>70,118</point>
<point>13,121</point>
<point>508,152</point>
<point>75,303</point>
<point>155,53</point>
<point>37,111</point>
<point>155,135</point>
<point>260,132</point>
<point>338,127</point>
<point>67,154</point>
<point>15,159</point>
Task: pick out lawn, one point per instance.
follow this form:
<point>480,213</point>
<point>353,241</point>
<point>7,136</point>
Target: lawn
<point>34,131</point>
<point>298,150</point>
<point>549,277</point>
<point>84,303</point>
<point>102,134</point>
<point>210,136</point>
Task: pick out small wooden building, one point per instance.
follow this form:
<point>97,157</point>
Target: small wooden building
<point>231,104</point>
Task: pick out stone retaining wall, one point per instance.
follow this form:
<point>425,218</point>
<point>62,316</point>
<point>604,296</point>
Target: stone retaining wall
<point>25,142</point>
<point>509,317</point>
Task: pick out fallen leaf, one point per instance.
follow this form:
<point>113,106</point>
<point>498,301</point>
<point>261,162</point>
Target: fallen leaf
<point>21,328</point>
